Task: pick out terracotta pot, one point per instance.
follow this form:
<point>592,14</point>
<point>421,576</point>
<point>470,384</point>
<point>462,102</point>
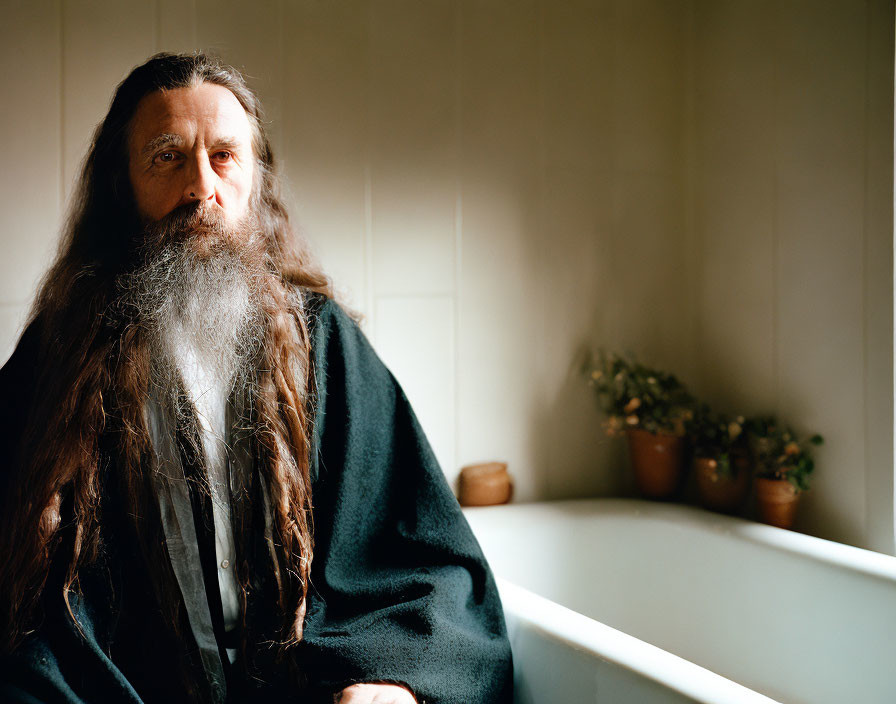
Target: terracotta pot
<point>484,484</point>
<point>658,462</point>
<point>722,492</point>
<point>777,499</point>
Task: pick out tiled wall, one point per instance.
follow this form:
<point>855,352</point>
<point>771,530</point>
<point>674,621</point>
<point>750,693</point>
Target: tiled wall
<point>791,136</point>
<point>496,184</point>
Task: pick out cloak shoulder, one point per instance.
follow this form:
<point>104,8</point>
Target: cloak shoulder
<point>17,380</point>
<point>400,590</point>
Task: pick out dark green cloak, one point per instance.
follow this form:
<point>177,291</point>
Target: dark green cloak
<point>400,590</point>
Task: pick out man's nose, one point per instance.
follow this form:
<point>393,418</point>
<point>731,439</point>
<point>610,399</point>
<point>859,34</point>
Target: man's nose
<point>201,179</point>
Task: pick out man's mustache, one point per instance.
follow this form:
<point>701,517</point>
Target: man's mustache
<point>193,217</point>
<point>189,224</point>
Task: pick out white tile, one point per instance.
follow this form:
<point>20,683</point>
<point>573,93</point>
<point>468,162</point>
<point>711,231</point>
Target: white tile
<point>879,284</point>
<point>735,206</point>
<point>30,186</point>
<point>101,42</point>
<point>500,322</point>
<point>324,133</point>
<point>177,25</point>
<point>647,287</point>
<point>415,338</point>
<point>413,74</point>
<point>576,273</point>
<point>647,92</point>
<point>821,171</point>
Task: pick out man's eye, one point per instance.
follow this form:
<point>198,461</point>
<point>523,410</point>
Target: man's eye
<point>223,156</point>
<point>166,157</point>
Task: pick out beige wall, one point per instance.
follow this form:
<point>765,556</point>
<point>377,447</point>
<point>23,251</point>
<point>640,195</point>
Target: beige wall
<point>791,136</point>
<point>496,184</point>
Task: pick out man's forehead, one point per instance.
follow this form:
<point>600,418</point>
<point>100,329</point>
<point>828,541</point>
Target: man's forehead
<point>172,117</point>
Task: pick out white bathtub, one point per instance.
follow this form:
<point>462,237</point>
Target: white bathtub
<point>619,601</point>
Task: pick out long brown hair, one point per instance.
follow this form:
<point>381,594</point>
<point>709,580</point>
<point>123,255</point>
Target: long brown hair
<point>87,408</point>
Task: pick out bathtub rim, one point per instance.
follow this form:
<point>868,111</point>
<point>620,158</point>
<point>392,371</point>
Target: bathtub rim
<point>601,641</point>
<point>849,557</point>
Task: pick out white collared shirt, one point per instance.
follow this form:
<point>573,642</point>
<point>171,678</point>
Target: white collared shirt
<point>210,395</point>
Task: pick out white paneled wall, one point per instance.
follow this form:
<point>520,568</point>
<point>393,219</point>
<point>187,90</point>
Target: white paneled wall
<point>793,153</point>
<point>325,144</point>
<point>820,140</point>
<point>32,182</point>
<point>497,184</point>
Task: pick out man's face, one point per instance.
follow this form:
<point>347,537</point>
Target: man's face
<point>191,145</point>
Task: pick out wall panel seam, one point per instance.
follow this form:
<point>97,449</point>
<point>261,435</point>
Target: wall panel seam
<point>544,451</point>
<point>368,185</point>
<point>458,217</point>
<point>776,234</point>
<point>866,396</point>
<point>692,230</point>
<point>157,27</point>
<point>61,167</point>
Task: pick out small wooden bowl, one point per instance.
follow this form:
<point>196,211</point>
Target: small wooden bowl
<point>485,484</point>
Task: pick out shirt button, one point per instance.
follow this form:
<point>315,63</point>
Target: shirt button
<point>225,564</point>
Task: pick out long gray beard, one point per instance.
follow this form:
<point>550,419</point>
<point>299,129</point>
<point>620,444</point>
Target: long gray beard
<point>206,309</point>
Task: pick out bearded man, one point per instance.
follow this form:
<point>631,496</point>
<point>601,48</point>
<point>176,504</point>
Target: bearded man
<point>214,490</point>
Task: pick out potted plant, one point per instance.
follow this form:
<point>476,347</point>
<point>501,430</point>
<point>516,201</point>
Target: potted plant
<point>720,459</point>
<point>651,408</point>
<point>783,466</point>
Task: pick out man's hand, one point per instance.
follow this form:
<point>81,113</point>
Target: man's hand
<point>374,694</point>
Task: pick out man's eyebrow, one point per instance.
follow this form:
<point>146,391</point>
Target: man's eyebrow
<point>226,143</point>
<point>161,140</point>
